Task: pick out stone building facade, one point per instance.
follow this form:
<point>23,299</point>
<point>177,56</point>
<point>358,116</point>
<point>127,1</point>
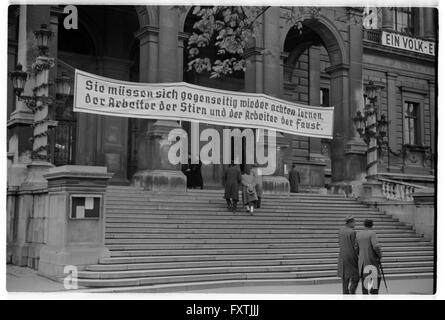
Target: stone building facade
<point>326,64</point>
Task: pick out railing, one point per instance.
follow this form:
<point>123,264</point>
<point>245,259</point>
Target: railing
<point>398,190</point>
<point>372,35</point>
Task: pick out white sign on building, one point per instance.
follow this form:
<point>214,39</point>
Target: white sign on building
<point>400,41</point>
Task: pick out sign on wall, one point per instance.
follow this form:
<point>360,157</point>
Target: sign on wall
<point>400,41</point>
<point>187,102</point>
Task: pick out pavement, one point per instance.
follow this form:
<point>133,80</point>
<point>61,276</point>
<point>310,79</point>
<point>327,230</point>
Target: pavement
<point>20,279</point>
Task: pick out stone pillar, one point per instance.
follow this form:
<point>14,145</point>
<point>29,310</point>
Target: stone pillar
<point>253,78</point>
<point>76,225</point>
<point>354,148</point>
<point>429,23</point>
<point>348,163</point>
<point>160,174</point>
<point>314,99</point>
<point>272,83</point>
<point>148,62</point>
<point>21,119</point>
<point>387,18</point>
<point>433,119</point>
<point>393,117</point>
<point>40,162</point>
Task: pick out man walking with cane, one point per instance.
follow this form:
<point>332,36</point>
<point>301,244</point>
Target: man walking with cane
<point>348,258</point>
<point>370,254</point>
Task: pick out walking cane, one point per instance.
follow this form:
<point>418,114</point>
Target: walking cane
<point>383,276</point>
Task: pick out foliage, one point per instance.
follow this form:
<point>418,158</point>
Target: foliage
<point>229,30</point>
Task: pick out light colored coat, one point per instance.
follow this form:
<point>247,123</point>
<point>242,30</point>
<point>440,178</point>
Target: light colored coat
<point>248,183</point>
<point>369,250</point>
<point>258,181</point>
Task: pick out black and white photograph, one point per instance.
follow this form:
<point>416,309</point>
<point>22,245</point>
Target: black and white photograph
<point>192,148</point>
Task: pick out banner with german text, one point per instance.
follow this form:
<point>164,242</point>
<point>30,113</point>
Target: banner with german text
<point>187,102</point>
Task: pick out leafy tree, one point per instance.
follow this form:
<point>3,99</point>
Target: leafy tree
<point>230,29</point>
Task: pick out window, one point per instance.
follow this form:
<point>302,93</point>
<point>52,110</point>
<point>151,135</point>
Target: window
<point>324,97</point>
<point>411,123</point>
<point>403,20</point>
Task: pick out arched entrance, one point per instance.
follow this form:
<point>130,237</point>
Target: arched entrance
<point>317,71</point>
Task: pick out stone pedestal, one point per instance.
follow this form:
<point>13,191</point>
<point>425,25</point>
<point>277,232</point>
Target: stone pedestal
<point>160,180</point>
<point>161,175</point>
<point>75,233</point>
<point>276,184</point>
<point>372,192</point>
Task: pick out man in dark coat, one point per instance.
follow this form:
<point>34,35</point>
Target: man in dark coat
<point>196,176</point>
<point>232,180</point>
<point>370,254</point>
<point>348,257</point>
<point>187,170</point>
<point>294,179</point>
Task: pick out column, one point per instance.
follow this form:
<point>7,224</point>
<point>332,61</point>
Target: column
<point>387,18</point>
<point>314,98</point>
<point>393,118</point>
<point>272,82</point>
<point>433,119</point>
<point>160,174</point>
<point>19,123</point>
<point>317,161</point>
<point>429,19</point>
<point>148,62</point>
<point>355,148</point>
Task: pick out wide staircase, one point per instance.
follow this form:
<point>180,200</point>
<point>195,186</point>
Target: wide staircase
<point>162,242</point>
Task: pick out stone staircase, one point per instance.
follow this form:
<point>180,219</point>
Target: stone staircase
<point>176,241</point>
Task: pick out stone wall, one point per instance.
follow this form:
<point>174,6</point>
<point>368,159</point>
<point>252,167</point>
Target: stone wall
<point>27,225</point>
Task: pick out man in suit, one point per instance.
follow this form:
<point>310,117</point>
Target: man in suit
<point>294,179</point>
<point>348,258</point>
<point>232,180</point>
<point>370,254</point>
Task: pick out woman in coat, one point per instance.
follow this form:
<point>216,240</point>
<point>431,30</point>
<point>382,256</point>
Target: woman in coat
<point>231,180</point>
<point>258,185</point>
<point>249,190</point>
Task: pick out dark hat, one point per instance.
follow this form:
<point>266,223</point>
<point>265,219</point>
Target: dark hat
<point>349,218</point>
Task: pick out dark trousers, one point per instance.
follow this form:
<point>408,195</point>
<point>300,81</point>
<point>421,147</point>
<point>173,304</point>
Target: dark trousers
<point>350,285</point>
<point>232,204</point>
<point>372,291</point>
<point>258,202</point>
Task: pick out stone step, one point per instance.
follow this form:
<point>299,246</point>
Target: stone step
<point>421,255</point>
<point>232,269</point>
<point>228,226</point>
<point>225,251</point>
<point>191,238</point>
<point>228,276</point>
<point>219,200</point>
<point>209,285</point>
<point>242,232</point>
<point>258,215</point>
<point>229,246</point>
<point>184,210</point>
<point>228,263</point>
<point>215,193</point>
<point>360,216</point>
<point>327,237</point>
<point>248,241</point>
<point>200,223</point>
<point>241,219</point>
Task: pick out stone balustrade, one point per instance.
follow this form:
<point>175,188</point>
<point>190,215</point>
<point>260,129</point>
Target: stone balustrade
<point>397,190</point>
